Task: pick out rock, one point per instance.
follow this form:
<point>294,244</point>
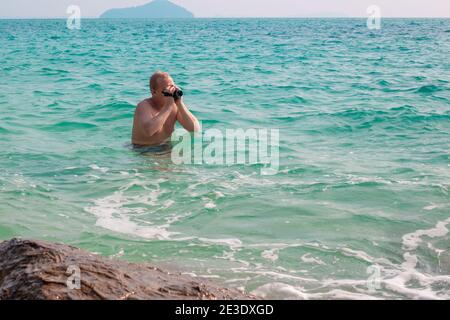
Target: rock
<point>43,270</point>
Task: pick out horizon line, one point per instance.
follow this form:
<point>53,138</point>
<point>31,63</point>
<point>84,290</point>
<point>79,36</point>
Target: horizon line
<point>229,17</point>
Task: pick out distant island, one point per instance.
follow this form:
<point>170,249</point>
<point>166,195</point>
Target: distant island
<point>154,9</point>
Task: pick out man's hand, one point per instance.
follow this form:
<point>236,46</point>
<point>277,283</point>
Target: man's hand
<point>169,100</point>
<point>185,117</point>
<point>171,90</point>
<point>178,101</point>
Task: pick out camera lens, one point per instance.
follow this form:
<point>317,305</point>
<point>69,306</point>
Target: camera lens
<point>177,94</point>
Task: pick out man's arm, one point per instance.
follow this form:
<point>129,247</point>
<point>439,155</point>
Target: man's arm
<point>186,118</point>
<point>153,125</point>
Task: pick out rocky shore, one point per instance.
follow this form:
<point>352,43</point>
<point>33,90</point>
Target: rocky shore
<point>50,271</point>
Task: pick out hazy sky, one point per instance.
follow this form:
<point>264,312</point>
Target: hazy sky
<point>236,8</point>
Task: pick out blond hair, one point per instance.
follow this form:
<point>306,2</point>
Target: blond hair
<point>155,78</point>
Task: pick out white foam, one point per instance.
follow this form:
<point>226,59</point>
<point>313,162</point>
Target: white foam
<point>408,273</point>
<point>93,176</point>
<point>357,254</point>
<point>168,203</point>
<point>210,205</point>
<point>246,279</point>
<point>257,270</point>
<point>118,254</point>
<point>430,207</point>
<point>172,218</point>
<point>278,290</point>
<point>337,294</point>
<point>396,280</point>
<point>126,226</point>
<point>357,179</point>
<point>308,259</point>
<point>212,276</point>
<point>438,251</point>
<point>412,240</point>
<point>113,213</point>
<point>270,255</point>
<point>232,242</point>
<point>116,212</point>
<point>219,194</point>
<point>101,169</point>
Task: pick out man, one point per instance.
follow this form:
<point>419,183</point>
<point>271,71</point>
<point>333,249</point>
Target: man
<point>155,117</point>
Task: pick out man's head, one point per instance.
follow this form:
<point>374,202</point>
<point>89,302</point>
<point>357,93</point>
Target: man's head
<point>159,82</point>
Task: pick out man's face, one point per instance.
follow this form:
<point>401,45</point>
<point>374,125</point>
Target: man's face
<point>165,84</point>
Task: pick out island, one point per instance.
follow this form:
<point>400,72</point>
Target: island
<point>154,9</point>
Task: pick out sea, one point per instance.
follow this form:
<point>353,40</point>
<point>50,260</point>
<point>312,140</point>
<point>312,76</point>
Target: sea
<point>358,208</point>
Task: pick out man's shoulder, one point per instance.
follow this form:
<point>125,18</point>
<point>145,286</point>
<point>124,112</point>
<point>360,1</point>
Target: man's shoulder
<point>143,110</point>
<point>143,106</point>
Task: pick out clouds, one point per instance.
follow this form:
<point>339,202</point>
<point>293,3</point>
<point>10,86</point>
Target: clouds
<point>237,8</point>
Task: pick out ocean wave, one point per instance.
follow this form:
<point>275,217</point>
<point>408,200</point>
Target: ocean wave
<point>287,118</point>
<point>384,83</point>
<point>412,240</point>
<point>68,126</point>
<point>53,72</point>
<point>427,89</point>
<point>115,105</point>
<point>402,280</point>
<point>352,113</point>
<point>284,291</point>
<point>107,112</point>
<point>119,212</point>
<point>4,131</point>
<point>364,118</point>
<point>116,211</point>
<point>95,87</point>
<point>52,94</point>
<point>296,99</point>
<point>307,258</point>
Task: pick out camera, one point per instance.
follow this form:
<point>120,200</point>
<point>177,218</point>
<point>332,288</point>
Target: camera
<point>177,94</point>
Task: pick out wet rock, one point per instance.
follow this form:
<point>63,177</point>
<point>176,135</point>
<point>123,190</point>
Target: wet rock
<point>51,271</point>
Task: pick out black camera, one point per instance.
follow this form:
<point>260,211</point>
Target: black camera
<point>177,94</point>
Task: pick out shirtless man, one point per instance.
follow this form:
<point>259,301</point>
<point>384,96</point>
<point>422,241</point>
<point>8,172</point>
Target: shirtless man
<point>155,117</point>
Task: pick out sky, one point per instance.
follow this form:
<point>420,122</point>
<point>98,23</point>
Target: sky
<point>235,8</point>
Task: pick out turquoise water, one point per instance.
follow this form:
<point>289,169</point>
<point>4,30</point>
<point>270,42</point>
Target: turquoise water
<point>359,208</point>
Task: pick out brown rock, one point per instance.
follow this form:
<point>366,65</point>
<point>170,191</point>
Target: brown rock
<point>42,270</point>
